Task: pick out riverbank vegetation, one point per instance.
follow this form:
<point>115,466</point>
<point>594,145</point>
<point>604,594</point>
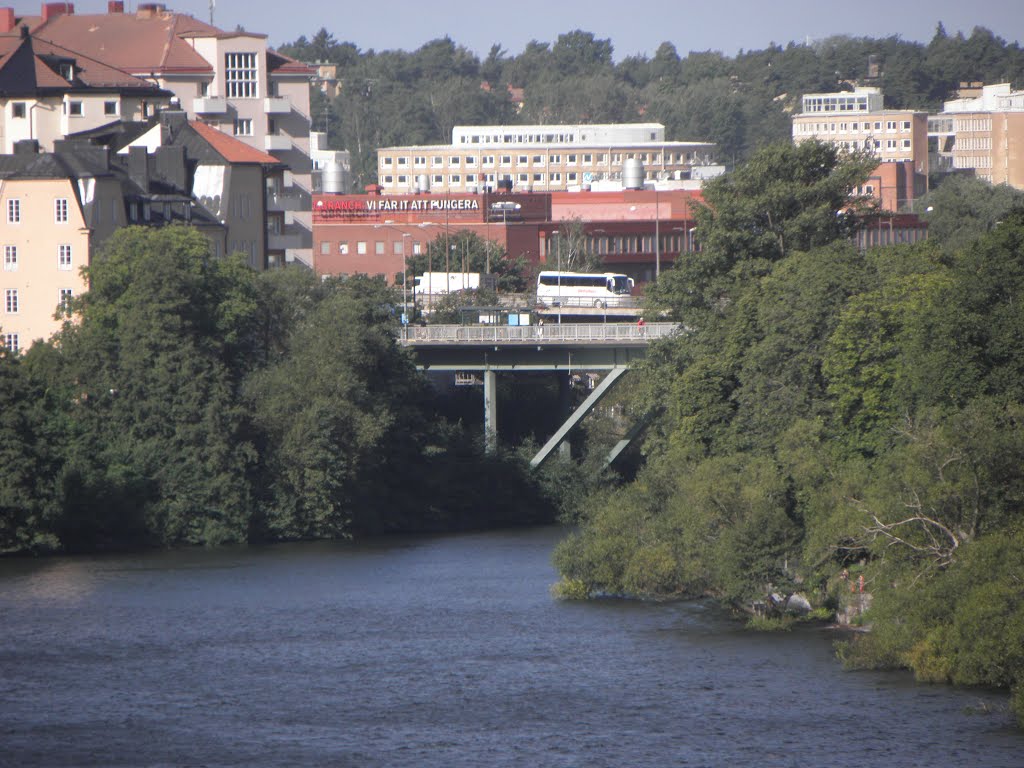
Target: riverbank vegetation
<point>199,402</point>
<point>833,420</point>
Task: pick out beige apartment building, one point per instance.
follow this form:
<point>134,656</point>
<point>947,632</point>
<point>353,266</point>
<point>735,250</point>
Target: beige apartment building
<point>230,80</point>
<point>41,264</point>
<point>857,120</point>
<point>538,158</point>
<point>982,132</point>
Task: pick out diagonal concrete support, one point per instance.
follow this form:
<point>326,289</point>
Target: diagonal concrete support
<point>620,446</point>
<point>595,397</point>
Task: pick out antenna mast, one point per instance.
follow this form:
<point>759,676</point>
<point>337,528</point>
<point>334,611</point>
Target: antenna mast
<point>213,5</point>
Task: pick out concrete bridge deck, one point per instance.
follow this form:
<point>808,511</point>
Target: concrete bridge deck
<point>563,348</point>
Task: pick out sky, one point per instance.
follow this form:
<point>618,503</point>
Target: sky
<point>636,28</point>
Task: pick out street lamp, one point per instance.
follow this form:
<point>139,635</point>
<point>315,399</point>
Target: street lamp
<point>405,268</point>
<point>657,234</point>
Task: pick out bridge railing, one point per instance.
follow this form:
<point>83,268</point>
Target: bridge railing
<point>549,333</point>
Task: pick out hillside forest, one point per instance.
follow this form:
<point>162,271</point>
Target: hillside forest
<point>398,98</point>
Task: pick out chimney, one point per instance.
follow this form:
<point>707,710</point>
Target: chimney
<point>171,166</point>
<point>172,121</point>
<point>26,147</point>
<point>115,6</point>
<point>150,10</point>
<point>6,20</point>
<point>53,10</point>
<point>138,166</point>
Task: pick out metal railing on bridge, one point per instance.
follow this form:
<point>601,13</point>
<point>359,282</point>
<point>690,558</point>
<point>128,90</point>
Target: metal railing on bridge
<point>549,333</point>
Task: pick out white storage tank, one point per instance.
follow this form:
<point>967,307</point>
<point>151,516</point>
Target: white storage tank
<point>334,178</point>
<point>633,174</point>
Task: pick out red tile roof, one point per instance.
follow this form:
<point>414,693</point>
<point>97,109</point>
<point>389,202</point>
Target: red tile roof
<point>230,148</point>
<point>131,43</point>
<point>159,44</point>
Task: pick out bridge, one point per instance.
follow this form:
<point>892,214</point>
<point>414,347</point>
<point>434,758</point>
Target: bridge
<point>566,348</point>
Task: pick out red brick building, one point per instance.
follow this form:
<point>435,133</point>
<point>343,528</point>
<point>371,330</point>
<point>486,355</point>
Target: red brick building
<point>371,234</point>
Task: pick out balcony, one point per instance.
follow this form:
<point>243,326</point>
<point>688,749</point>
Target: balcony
<point>278,202</point>
<point>277,143</point>
<point>283,242</point>
<point>276,105</point>
<point>210,105</point>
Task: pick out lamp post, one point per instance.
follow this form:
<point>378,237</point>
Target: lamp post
<point>657,234</point>
<point>405,266</point>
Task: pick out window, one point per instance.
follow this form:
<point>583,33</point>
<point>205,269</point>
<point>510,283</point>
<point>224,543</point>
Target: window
<point>470,161</point>
<point>387,162</point>
<point>11,300</point>
<point>437,161</point>
<point>522,160</point>
<point>378,248</point>
<point>588,158</point>
<point>10,258</point>
<point>906,143</point>
<point>14,211</point>
<point>403,161</point>
<point>538,159</point>
<point>18,109</point>
<point>361,247</point>
<point>402,179</point>
<point>325,247</point>
<point>555,159</point>
<point>506,160</point>
<point>487,159</point>
<point>64,298</point>
<point>74,108</point>
<point>454,160</point>
<point>60,210</point>
<point>389,180</point>
<point>109,107</point>
<point>571,159</point>
<point>398,246</point>
<point>11,341</point>
<point>243,126</point>
<point>455,178</point>
<point>419,161</point>
<point>343,248</point>
<point>64,257</point>
<point>555,177</point>
<point>240,76</point>
<point>438,179</point>
<point>905,125</point>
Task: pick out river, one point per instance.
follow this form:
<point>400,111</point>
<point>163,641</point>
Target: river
<point>434,651</point>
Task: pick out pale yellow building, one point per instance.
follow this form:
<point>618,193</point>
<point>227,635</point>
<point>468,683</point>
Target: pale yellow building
<point>44,243</point>
<point>983,132</point>
<point>858,120</point>
<point>538,158</point>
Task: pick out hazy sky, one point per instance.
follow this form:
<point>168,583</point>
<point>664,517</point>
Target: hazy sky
<point>634,28</point>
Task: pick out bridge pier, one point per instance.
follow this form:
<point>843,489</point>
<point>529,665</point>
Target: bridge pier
<point>490,411</point>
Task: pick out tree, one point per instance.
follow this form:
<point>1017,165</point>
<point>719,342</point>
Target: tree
<point>576,252</point>
<point>162,449</point>
<point>786,198</point>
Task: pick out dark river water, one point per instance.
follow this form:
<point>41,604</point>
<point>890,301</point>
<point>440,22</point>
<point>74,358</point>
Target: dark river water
<point>445,651</point>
